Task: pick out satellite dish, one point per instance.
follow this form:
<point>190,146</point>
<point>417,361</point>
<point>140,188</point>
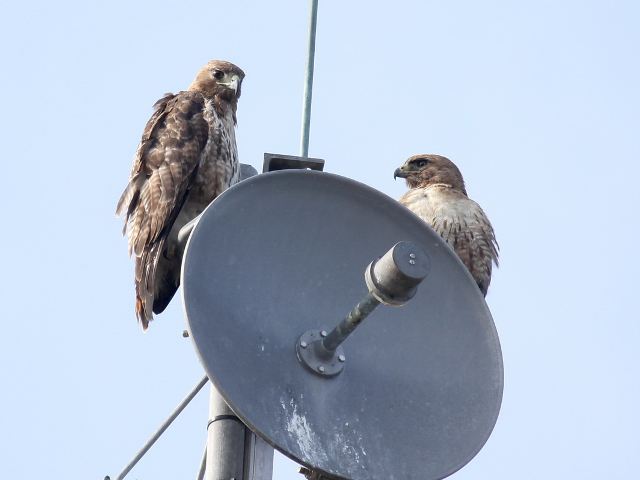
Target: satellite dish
<point>283,254</point>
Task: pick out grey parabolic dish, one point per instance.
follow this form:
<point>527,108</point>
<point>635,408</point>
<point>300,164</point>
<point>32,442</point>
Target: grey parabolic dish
<point>285,252</point>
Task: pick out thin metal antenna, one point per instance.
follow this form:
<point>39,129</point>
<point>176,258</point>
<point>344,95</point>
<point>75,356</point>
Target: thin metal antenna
<point>162,428</point>
<point>308,83</point>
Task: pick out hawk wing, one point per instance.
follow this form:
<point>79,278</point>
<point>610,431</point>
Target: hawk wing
<point>463,225</point>
<point>478,248</point>
<point>472,238</point>
<point>164,168</point>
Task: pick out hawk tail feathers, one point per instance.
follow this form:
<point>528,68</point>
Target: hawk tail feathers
<point>146,265</point>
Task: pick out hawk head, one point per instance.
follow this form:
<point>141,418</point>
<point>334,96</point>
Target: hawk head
<point>425,169</point>
<point>219,80</point>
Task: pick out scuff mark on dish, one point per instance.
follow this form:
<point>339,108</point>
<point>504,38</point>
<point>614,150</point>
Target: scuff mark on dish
<point>299,429</point>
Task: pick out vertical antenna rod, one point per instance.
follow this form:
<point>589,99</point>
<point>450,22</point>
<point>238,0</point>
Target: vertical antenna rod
<point>308,83</point>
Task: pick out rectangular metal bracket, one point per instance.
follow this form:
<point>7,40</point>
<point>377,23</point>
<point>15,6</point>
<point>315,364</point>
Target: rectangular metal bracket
<point>258,458</point>
<point>277,161</point>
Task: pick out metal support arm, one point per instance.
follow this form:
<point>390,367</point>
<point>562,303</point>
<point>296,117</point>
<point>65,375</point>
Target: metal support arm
<point>392,280</point>
<point>162,428</point>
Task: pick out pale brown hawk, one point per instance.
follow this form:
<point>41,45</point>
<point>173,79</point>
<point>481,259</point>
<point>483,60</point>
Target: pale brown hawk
<point>438,196</point>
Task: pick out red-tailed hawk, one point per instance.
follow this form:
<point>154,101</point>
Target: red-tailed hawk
<point>187,156</point>
<point>437,195</point>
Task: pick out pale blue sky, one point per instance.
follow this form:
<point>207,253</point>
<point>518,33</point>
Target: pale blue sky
<point>536,101</point>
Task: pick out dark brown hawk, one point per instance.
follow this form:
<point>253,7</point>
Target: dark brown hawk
<point>438,196</point>
<point>187,156</point>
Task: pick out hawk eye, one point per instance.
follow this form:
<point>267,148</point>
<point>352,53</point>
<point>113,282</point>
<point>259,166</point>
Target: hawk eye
<point>218,74</point>
<point>421,163</point>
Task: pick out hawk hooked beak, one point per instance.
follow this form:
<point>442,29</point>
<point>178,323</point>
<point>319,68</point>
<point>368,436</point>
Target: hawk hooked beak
<point>400,173</point>
<point>233,84</point>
